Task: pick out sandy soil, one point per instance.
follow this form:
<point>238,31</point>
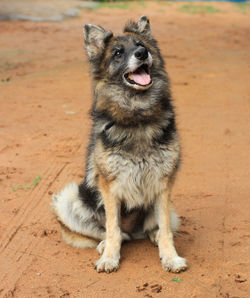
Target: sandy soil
<point>45,96</point>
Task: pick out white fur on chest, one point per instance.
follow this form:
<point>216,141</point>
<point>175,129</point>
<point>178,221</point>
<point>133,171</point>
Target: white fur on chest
<point>140,180</point>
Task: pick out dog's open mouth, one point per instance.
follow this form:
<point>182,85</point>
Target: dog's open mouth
<point>140,77</point>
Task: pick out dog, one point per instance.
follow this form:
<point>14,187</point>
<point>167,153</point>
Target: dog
<point>133,154</point>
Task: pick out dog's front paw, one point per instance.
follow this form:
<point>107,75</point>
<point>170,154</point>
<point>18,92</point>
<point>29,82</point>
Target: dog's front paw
<point>107,264</point>
<point>175,264</point>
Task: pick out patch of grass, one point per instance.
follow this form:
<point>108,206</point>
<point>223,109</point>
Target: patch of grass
<point>5,80</point>
<point>11,53</point>
<point>120,5</point>
<point>198,9</point>
<point>176,279</point>
<point>164,3</point>
<point>242,6</point>
<point>142,4</point>
<point>26,187</point>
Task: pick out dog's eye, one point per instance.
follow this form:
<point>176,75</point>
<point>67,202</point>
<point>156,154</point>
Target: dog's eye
<point>118,53</point>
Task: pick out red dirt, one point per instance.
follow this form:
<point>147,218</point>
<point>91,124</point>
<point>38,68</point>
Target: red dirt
<point>44,131</point>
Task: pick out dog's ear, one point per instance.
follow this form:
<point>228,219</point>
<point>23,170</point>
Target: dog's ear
<point>142,27</point>
<point>95,39</point>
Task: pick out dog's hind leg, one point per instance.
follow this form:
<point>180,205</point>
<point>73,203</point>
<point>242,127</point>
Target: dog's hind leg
<point>79,224</point>
<point>150,226</point>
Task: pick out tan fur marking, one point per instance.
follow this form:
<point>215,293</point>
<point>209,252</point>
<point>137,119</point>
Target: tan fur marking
<point>165,235</point>
<point>101,156</point>
<point>169,257</point>
<point>76,239</point>
<point>112,211</point>
<point>109,261</point>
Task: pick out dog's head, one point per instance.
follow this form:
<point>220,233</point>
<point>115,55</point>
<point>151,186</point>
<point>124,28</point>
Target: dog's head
<point>128,60</point>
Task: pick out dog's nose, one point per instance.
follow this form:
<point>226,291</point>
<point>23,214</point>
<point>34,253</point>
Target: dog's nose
<point>141,53</point>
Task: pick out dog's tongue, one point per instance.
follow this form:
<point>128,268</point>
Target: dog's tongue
<point>141,77</point>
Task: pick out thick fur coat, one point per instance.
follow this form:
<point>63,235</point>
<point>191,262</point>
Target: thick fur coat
<point>133,154</point>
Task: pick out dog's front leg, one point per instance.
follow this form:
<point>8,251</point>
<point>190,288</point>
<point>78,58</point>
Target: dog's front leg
<point>168,255</point>
<point>109,260</point>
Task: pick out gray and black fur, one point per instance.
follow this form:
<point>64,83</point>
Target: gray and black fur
<point>133,154</point>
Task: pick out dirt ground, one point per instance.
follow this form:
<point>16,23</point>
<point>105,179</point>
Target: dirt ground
<point>45,95</point>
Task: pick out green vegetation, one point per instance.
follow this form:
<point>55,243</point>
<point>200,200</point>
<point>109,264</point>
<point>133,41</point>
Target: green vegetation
<point>164,3</point>
<point>118,4</point>
<point>242,6</point>
<point>198,9</point>
<point>34,183</point>
<point>5,80</point>
<point>105,4</point>
<point>176,279</point>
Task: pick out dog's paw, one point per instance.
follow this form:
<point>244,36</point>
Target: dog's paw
<point>176,264</point>
<point>107,264</point>
<point>100,247</point>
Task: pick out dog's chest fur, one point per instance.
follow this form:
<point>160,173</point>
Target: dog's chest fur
<point>139,171</point>
<point>140,179</point>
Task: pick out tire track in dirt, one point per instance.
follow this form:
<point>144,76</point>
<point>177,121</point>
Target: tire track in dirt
<point>18,252</point>
<point>28,207</point>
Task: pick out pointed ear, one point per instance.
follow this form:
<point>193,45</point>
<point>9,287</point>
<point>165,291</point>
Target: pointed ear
<point>141,27</point>
<point>144,26</point>
<point>95,39</point>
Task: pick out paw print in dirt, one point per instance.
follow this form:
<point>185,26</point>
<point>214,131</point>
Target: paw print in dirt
<point>154,288</point>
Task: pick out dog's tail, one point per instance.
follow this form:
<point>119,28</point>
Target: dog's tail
<point>79,228</point>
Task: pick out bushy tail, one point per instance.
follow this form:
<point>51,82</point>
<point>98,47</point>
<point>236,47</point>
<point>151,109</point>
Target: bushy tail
<point>73,217</point>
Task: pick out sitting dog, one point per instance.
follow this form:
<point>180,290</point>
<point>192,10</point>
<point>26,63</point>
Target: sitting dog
<point>133,154</point>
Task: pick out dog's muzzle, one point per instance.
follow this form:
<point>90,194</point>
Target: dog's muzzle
<point>138,74</point>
